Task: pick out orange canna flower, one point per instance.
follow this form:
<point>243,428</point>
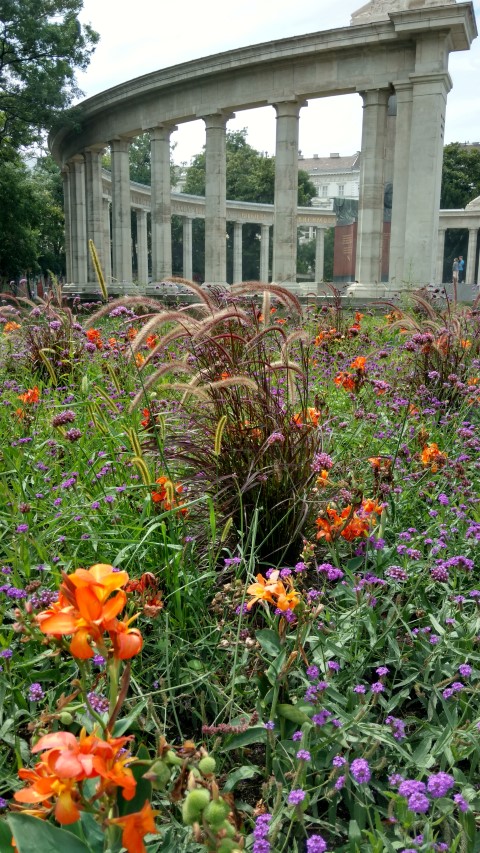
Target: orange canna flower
<point>346,380</point>
<point>359,363</point>
<point>87,606</point>
<point>152,341</point>
<point>135,826</point>
<point>310,417</point>
<point>95,337</point>
<point>30,396</point>
<point>432,457</point>
<point>273,590</point>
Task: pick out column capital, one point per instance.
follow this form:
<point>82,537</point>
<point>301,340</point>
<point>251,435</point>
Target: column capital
<point>99,148</point>
<point>289,107</point>
<point>76,160</point>
<point>162,131</point>
<point>216,120</point>
<point>121,143</point>
<point>375,96</point>
<point>432,79</point>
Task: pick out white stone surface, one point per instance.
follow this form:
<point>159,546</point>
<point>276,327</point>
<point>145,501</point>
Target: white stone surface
<point>379,10</point>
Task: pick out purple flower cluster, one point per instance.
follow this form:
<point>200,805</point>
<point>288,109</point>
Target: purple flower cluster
<point>360,771</point>
<point>66,417</point>
<point>331,572</point>
<point>316,844</point>
<point>35,692</point>
<point>261,843</point>
<point>397,726</point>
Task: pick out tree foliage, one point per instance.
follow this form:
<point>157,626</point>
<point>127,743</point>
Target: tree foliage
<point>31,218</point>
<point>460,175</point>
<point>42,43</point>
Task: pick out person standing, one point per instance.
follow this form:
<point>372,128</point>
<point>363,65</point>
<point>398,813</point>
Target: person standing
<point>461,268</point>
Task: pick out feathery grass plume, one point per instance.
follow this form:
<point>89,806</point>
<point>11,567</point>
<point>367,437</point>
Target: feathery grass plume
<point>120,302</point>
<point>133,439</point>
<point>48,364</point>
<point>162,318</point>
<point>266,307</point>
<point>175,367</point>
<point>108,400</point>
<point>93,417</point>
<point>218,434</point>
<point>98,270</point>
<point>113,376</point>
<point>139,462</point>
<point>286,297</point>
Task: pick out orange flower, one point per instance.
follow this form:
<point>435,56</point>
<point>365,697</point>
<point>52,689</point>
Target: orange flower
<point>466,344</point>
<point>11,326</point>
<point>95,337</point>
<point>139,359</point>
<point>88,603</point>
<point>166,495</point>
<point>135,826</point>
<point>66,762</point>
<point>146,418</point>
<point>112,342</point>
<point>432,457</point>
<point>348,524</point>
<point>273,590</point>
<point>346,380</point>
<point>132,333</point>
<point>152,341</point>
<point>359,363</point>
<point>30,396</point>
<point>310,417</point>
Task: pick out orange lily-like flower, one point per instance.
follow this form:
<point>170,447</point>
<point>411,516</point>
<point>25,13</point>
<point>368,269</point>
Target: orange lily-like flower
<point>433,457</point>
<point>359,363</point>
<point>88,604</point>
<point>346,380</point>
<point>310,417</point>
<point>95,337</point>
<point>135,826</point>
<point>66,762</point>
<point>152,341</point>
<point>349,524</point>
<point>30,396</point>
<point>273,590</point>
<point>166,495</point>
<point>11,326</point>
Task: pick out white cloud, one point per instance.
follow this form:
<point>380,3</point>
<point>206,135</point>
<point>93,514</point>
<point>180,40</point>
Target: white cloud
<point>142,37</point>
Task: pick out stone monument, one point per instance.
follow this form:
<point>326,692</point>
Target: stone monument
<point>379,10</point>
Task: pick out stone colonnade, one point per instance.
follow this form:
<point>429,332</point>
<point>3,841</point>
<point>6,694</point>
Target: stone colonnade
<point>403,52</point>
<point>99,209</point>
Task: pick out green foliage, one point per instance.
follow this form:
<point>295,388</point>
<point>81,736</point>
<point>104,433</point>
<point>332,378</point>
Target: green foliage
<point>460,175</point>
<point>42,45</point>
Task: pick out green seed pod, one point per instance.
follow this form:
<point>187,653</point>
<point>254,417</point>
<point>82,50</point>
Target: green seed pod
<point>207,765</point>
<point>227,827</point>
<point>66,718</point>
<point>227,846</point>
<point>171,757</point>
<point>158,775</point>
<point>194,805</point>
<point>216,812</point>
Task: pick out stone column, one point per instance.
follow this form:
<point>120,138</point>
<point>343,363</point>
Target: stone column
<point>237,252</point>
<point>161,202</point>
<point>142,249</point>
<point>372,184</point>
<point>94,191</point>
<point>187,247</point>
<point>440,255</point>
<point>403,125</point>
<point>471,255</point>
<point>121,216</point>
<point>215,198</point>
<point>68,225</point>
<point>319,254</point>
<point>286,192</point>
<point>79,221</point>
<point>264,252</point>
<point>425,174</point>
<point>107,241</point>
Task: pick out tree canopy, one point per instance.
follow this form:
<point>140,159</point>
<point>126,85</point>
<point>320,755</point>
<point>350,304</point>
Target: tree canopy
<point>460,175</point>
<point>42,43</point>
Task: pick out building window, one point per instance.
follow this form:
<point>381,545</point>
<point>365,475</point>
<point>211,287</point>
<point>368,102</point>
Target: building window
<point>324,190</point>
<point>341,189</point>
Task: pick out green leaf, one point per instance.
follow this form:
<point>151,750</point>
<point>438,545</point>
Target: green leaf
<point>5,836</point>
<point>121,726</point>
<point>291,712</point>
<point>248,771</point>
<point>269,641</point>
<point>31,833</point>
<point>257,734</point>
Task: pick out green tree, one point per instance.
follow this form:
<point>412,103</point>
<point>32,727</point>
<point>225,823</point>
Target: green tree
<point>460,175</point>
<point>42,43</point>
<point>31,218</point>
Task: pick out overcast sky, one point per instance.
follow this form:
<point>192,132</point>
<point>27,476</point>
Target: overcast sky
<point>143,36</point>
